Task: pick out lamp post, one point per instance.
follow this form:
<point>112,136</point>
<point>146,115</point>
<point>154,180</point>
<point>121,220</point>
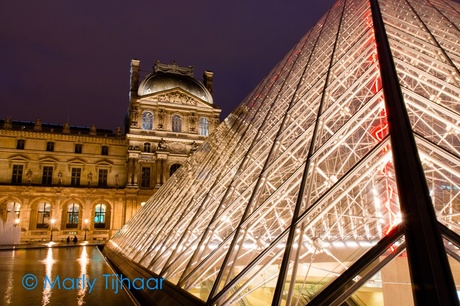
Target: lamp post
<point>52,221</point>
<point>85,227</point>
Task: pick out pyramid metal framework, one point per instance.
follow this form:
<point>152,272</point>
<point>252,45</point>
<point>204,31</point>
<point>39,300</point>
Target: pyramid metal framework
<point>342,164</point>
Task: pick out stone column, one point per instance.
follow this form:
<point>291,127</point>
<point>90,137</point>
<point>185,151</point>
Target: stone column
<point>136,172</point>
<point>133,169</point>
<point>130,171</point>
<point>160,168</point>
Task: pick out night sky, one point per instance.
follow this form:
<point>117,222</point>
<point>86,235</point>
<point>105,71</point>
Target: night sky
<point>70,60</point>
<point>65,60</point>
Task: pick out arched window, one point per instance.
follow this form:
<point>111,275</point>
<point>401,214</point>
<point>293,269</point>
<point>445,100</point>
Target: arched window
<point>99,216</point>
<point>72,215</point>
<point>204,127</point>
<point>13,207</point>
<point>43,216</point>
<point>147,121</point>
<point>173,169</point>
<point>176,123</point>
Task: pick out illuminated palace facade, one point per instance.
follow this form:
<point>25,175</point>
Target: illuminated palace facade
<point>87,182</point>
<point>335,182</point>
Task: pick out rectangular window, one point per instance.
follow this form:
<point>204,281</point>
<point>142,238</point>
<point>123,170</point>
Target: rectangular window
<point>102,181</point>
<point>78,148</point>
<point>17,174</point>
<point>176,123</point>
<point>47,177</point>
<point>99,216</point>
<point>105,150</point>
<point>50,146</point>
<point>204,127</point>
<point>145,177</point>
<point>75,177</point>
<point>20,144</point>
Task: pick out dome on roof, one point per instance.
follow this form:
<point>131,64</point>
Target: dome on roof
<point>161,81</point>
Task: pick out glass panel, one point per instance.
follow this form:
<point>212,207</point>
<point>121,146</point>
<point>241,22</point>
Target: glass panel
<point>389,286</point>
<point>256,285</point>
<point>453,252</point>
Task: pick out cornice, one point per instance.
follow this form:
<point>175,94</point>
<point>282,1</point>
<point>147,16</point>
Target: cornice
<point>184,140</point>
<point>64,137</point>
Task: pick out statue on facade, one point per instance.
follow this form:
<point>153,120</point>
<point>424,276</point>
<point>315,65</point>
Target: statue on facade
<point>134,114</point>
<point>66,128</point>
<point>29,176</point>
<point>90,178</point>
<point>38,125</point>
<point>93,130</point>
<point>8,124</point>
<point>60,178</point>
<point>193,146</point>
<point>216,121</point>
<point>192,119</point>
<point>161,113</point>
<point>162,144</point>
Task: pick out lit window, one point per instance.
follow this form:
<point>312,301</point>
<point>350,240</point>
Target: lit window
<point>99,216</point>
<point>43,216</point>
<point>15,208</point>
<point>72,215</point>
<point>147,121</point>
<point>176,123</point>
<point>203,127</point>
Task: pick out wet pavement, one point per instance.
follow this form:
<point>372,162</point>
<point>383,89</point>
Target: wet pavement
<point>59,274</point>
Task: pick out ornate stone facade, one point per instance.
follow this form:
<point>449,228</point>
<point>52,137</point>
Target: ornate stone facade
<point>61,180</point>
<point>170,114</point>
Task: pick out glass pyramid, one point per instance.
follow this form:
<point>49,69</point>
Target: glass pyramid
<point>325,177</point>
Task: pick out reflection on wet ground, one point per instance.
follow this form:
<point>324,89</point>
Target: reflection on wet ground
<point>68,276</point>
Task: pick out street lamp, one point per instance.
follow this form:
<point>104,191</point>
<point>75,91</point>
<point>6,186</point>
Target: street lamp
<point>52,221</point>
<point>85,227</point>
